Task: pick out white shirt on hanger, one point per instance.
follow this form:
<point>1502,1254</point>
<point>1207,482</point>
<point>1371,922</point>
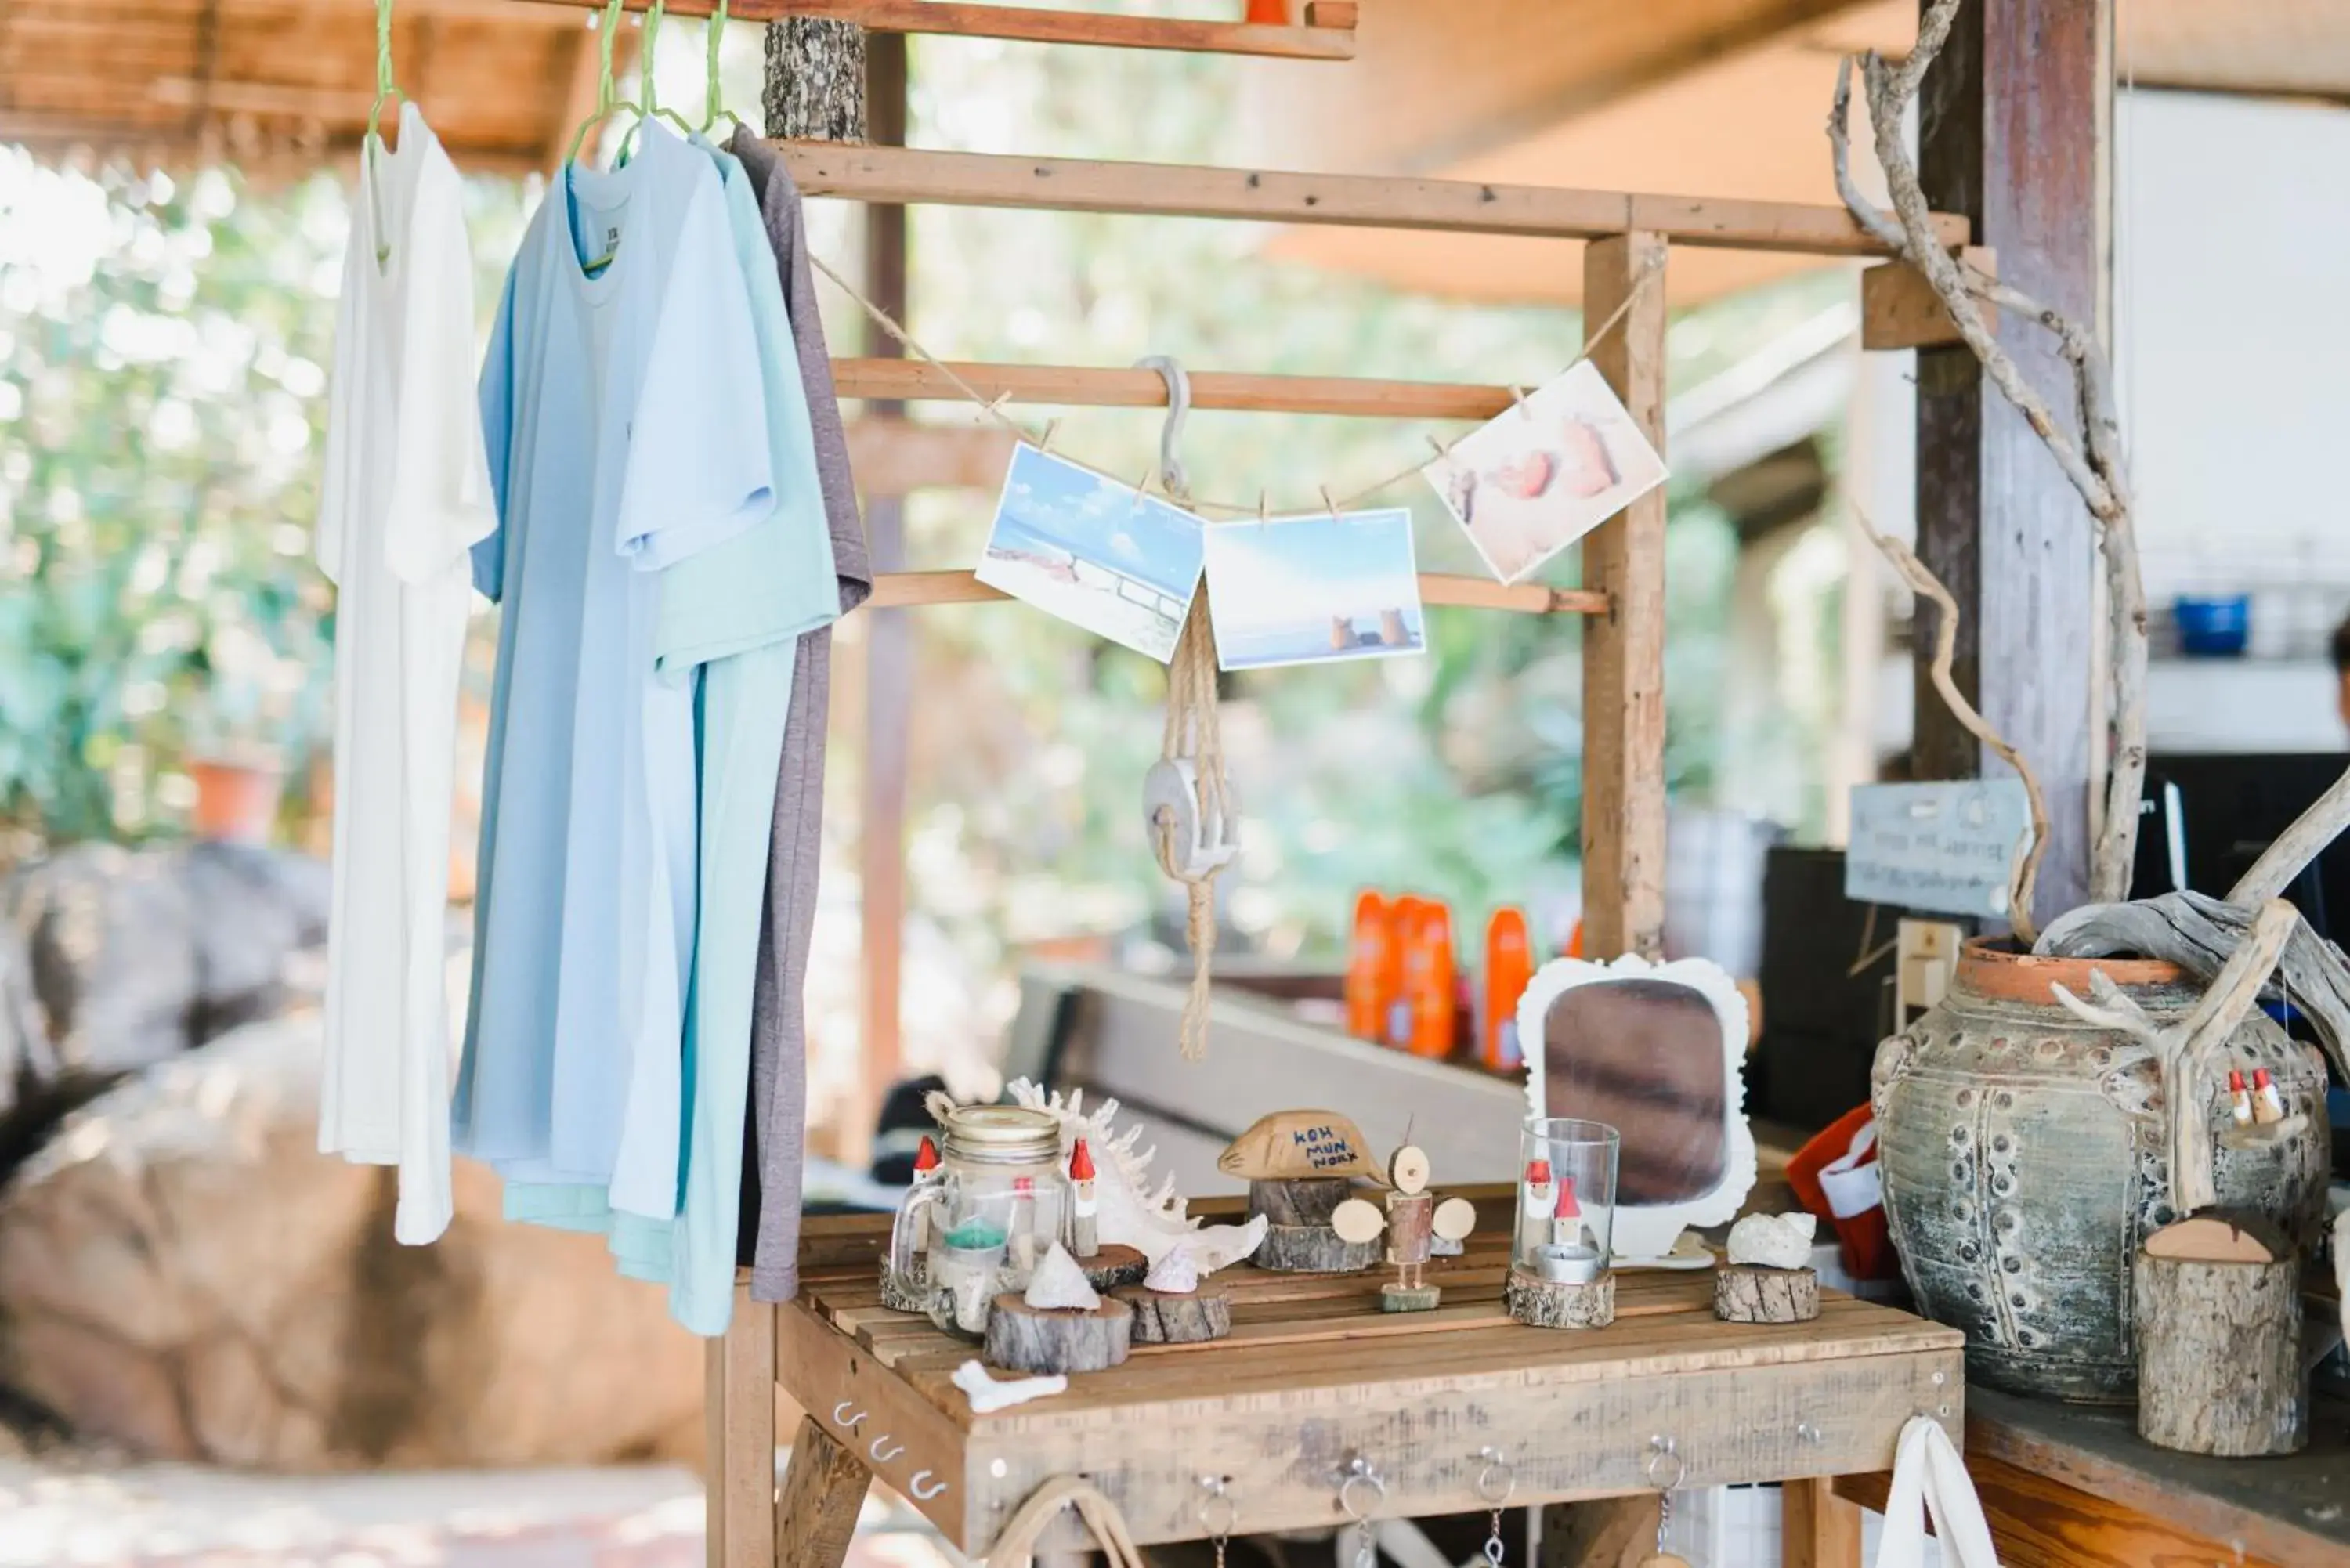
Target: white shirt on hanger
<point>405,492</point>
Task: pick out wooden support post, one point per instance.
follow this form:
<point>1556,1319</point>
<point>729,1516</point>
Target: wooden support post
<point>815,1514</point>
<point>889,651</point>
<point>2008,135</point>
<point>739,1414</point>
<point>1624,650</point>
<point>1609,1532</point>
<point>1817,1529</point>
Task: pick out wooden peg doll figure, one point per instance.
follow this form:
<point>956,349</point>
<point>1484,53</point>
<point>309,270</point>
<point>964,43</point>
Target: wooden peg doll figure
<point>1085,1204</point>
<point>1413,1219</point>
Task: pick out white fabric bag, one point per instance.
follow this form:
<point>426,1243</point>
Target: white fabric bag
<point>1930,1475</point>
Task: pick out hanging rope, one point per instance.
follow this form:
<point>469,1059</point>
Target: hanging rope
<point>1188,803</point>
<point>1016,1544</point>
<point>993,408</point>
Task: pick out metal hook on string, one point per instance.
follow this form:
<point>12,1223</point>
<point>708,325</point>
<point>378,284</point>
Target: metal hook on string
<point>1170,435</point>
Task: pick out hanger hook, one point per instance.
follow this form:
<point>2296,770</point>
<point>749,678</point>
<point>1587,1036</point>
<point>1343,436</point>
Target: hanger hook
<point>1170,434</point>
<point>384,85</point>
<point>713,103</point>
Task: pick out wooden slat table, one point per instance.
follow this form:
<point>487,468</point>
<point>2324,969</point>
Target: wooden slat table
<point>2069,1486</point>
<point>1312,1376</point>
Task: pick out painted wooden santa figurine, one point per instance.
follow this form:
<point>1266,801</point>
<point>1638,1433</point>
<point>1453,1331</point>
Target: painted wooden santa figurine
<point>1084,1205</point>
<point>1413,1220</point>
<point>1534,1205</point>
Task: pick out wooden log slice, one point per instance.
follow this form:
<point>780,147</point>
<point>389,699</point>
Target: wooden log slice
<point>905,1295</point>
<point>1033,1339</point>
<point>1161,1317</point>
<point>1303,1201</point>
<point>1750,1292</point>
<point>2218,1357</point>
<point>1549,1304</point>
<point>1115,1265</point>
<point>1313,1249</point>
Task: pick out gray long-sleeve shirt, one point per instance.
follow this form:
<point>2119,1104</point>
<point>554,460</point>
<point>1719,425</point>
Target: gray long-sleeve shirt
<point>770,1235</point>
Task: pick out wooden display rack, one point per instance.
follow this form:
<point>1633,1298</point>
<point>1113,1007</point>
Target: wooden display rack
<point>1311,1372</point>
<point>1311,1364</point>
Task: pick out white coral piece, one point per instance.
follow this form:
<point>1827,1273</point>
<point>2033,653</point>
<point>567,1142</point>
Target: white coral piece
<point>1773,1240</point>
<point>1150,1224</point>
<point>988,1394</point>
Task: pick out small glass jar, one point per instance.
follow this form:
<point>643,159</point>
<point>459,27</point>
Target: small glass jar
<point>1566,1199</point>
<point>976,1226</point>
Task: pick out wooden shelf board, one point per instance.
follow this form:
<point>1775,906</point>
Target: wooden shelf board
<point>1095,387</point>
<point>1332,40</point>
<point>897,174</point>
<point>898,590</point>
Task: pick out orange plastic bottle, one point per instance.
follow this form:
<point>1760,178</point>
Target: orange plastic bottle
<point>1508,965</point>
<point>1435,999</point>
<point>1373,967</point>
<point>1404,915</point>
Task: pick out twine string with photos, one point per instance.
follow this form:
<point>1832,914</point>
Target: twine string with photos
<point>993,408</point>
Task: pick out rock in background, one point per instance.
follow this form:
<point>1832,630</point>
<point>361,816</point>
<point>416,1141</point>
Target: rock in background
<point>184,1275</point>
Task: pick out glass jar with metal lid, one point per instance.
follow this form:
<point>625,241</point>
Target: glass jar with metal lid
<point>975,1225</point>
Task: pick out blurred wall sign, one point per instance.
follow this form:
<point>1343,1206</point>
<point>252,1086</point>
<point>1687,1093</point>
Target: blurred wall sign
<point>1947,847</point>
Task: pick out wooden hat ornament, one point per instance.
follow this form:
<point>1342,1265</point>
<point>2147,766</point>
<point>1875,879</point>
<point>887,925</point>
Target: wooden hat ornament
<point>1298,1146</point>
<point>1412,1219</point>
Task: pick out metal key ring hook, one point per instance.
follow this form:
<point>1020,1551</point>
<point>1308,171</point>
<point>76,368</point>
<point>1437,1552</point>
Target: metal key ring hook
<point>1170,435</point>
<point>879,1458</point>
<point>1360,1473</point>
<point>1661,1449</point>
<point>1215,1489</point>
<point>1495,1460</point>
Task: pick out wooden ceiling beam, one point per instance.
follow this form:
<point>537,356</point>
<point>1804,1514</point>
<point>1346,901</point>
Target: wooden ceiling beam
<point>1328,35</point>
<point>892,174</point>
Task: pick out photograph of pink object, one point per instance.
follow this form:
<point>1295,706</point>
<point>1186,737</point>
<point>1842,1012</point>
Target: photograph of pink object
<point>1530,482</point>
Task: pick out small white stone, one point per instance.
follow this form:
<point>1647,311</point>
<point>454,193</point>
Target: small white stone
<point>1058,1285</point>
<point>1176,1274</point>
<point>1773,1240</point>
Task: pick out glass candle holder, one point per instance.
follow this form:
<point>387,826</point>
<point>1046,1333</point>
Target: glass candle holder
<point>1566,1199</point>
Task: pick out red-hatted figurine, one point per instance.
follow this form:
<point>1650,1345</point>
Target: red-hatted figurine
<point>1084,1208</point>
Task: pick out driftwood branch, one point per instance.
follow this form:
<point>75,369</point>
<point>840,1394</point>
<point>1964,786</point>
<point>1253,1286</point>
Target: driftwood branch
<point>2091,461</point>
<point>2024,875</point>
<point>2295,848</point>
<point>2187,1049</point>
<point>2199,933</point>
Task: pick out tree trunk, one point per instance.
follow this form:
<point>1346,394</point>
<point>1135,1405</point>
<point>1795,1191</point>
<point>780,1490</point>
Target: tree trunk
<point>1551,1303</point>
<point>1311,1250</point>
<point>2218,1357</point>
<point>815,81</point>
<point>1309,1201</point>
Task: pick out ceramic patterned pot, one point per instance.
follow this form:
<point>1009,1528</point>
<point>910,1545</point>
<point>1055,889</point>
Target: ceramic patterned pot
<point>2024,1157</point>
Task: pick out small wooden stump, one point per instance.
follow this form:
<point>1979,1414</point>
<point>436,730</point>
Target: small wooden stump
<point>1161,1317</point>
<point>1115,1265</point>
<point>1306,1201</point>
<point>1552,1303</point>
<point>1313,1249</point>
<point>1750,1292</point>
<point>2218,1343</point>
<point>1033,1339</point>
<point>1409,1298</point>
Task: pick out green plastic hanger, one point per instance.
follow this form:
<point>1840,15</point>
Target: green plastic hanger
<point>386,89</point>
<point>647,107</point>
<point>608,101</point>
<point>713,100</point>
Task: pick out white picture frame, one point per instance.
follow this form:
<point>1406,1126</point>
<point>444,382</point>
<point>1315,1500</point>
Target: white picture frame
<point>1645,1232</point>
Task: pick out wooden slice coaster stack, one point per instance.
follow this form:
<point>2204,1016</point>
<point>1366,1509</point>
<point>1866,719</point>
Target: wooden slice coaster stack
<point>1750,1293</point>
<point>1555,1304</point>
<point>1163,1317</point>
<point>1057,1339</point>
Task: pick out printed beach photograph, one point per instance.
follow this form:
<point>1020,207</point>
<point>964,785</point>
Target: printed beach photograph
<point>1311,588</point>
<point>1529,482</point>
<point>1093,551</point>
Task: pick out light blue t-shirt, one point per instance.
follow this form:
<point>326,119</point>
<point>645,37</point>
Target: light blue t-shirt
<point>626,423</point>
<point>737,611</point>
